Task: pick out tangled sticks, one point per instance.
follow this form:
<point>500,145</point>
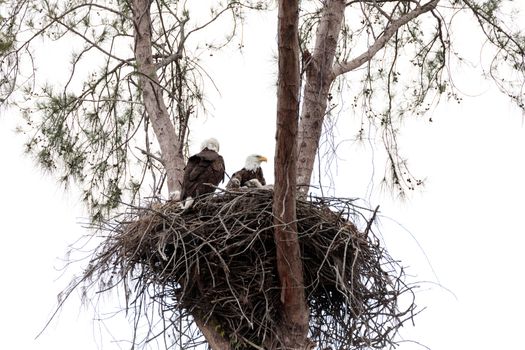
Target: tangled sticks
<point>217,261</point>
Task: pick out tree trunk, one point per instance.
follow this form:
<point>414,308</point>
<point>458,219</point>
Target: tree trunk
<point>153,98</point>
<point>294,327</point>
<point>214,339</point>
<point>316,89</point>
<point>321,72</point>
<point>162,125</point>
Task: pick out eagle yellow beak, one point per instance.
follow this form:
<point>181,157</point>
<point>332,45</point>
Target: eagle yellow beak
<point>262,159</point>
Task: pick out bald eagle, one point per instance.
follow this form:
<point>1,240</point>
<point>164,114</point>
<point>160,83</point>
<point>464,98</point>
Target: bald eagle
<point>251,175</point>
<point>203,168</point>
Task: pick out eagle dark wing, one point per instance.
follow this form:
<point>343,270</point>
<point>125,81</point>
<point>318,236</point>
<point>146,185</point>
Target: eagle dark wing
<point>204,167</point>
<point>259,176</point>
<point>244,176</point>
<point>216,173</point>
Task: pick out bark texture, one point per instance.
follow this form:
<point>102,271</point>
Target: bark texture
<point>321,72</point>
<point>163,127</point>
<point>294,327</point>
<point>317,86</point>
<point>152,96</point>
<point>214,339</point>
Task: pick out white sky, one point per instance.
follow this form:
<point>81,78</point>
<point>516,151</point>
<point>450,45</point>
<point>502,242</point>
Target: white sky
<point>468,219</point>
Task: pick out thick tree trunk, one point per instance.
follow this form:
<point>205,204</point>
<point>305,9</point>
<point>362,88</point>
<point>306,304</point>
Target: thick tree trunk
<point>317,86</point>
<point>214,339</point>
<point>294,327</point>
<point>321,72</point>
<point>152,96</point>
<point>162,125</point>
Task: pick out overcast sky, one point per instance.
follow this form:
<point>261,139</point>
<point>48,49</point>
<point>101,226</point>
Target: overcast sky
<point>461,235</point>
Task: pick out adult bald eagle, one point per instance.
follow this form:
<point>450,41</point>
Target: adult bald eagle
<point>251,175</point>
<point>202,169</point>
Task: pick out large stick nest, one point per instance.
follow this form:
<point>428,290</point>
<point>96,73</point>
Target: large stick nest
<point>217,262</point>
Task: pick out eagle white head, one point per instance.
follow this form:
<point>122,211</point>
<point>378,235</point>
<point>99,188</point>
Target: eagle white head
<point>211,144</point>
<point>254,161</point>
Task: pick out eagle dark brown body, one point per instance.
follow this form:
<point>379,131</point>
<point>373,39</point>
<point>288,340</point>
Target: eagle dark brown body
<point>245,175</point>
<point>203,168</point>
<point>251,175</point>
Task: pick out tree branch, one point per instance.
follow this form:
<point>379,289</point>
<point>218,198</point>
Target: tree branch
<point>348,66</point>
<point>63,15</point>
<point>480,16</point>
<point>167,60</point>
<point>91,42</point>
<point>153,98</point>
<point>151,155</point>
<point>316,89</point>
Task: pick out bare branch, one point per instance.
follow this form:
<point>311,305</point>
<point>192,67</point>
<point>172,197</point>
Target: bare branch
<point>153,97</point>
<point>151,155</point>
<point>480,16</point>
<point>87,40</point>
<point>63,15</point>
<point>167,60</point>
<point>348,66</point>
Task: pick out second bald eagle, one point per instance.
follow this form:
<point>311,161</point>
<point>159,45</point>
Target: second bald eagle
<point>251,175</point>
